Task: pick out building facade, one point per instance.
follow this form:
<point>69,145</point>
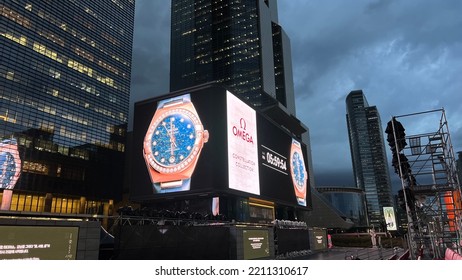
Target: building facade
<point>237,43</point>
<point>349,201</point>
<point>65,71</point>
<point>370,165</point>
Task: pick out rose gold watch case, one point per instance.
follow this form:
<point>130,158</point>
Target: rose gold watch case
<point>300,191</point>
<point>160,173</point>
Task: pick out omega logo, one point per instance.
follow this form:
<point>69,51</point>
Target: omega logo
<point>241,131</point>
<point>243,123</point>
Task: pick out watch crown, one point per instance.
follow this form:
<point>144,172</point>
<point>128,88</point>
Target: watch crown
<point>205,136</point>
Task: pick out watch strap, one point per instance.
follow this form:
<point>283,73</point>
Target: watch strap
<point>301,201</point>
<point>296,143</point>
<point>185,98</point>
<point>172,186</point>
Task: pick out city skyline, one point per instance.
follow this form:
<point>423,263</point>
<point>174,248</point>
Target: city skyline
<point>405,62</point>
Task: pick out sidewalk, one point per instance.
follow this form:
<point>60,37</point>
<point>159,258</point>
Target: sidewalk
<point>346,253</point>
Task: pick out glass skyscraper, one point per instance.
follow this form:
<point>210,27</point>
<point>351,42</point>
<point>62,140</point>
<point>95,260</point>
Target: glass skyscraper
<point>368,155</point>
<point>65,71</point>
<point>235,42</point>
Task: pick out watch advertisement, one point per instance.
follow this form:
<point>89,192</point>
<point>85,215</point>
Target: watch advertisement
<point>283,174</point>
<point>390,219</point>
<point>173,143</point>
<point>10,164</point>
<point>242,146</point>
<point>207,142</point>
<point>298,172</point>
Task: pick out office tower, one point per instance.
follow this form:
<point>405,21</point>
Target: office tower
<point>235,42</point>
<point>368,155</point>
<point>64,96</point>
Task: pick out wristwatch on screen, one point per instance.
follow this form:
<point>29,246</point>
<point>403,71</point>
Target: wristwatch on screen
<point>298,172</point>
<point>173,143</point>
<point>10,164</point>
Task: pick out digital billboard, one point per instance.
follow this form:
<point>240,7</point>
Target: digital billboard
<point>255,244</point>
<point>38,242</point>
<point>390,219</point>
<point>10,164</point>
<point>210,141</point>
<point>242,146</point>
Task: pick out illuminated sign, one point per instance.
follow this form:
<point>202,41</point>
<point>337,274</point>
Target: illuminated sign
<point>242,146</point>
<point>256,244</point>
<point>210,141</point>
<point>390,219</point>
<point>38,242</point>
<point>318,239</point>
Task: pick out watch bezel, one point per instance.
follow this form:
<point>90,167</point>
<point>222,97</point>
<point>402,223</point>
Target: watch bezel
<point>187,161</point>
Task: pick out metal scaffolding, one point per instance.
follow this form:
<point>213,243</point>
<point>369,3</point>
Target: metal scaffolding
<point>431,192</point>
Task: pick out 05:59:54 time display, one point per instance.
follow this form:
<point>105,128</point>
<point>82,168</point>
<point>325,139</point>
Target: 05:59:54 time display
<point>276,161</point>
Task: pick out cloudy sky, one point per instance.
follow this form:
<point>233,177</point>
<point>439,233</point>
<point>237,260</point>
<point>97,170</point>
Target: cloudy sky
<point>406,56</point>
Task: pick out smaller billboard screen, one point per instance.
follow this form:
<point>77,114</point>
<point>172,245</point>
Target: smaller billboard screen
<point>256,244</point>
<point>390,219</point>
<point>38,243</point>
<point>318,239</point>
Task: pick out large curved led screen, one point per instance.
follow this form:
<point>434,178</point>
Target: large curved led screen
<point>210,141</point>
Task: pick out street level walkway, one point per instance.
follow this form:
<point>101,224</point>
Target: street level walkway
<point>346,253</point>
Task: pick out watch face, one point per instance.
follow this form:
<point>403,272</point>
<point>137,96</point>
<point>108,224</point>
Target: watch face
<point>7,169</point>
<point>172,141</point>
<point>298,170</point>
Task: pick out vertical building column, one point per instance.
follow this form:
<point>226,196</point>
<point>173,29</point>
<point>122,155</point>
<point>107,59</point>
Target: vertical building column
<point>107,211</point>
<point>48,202</point>
<point>83,202</point>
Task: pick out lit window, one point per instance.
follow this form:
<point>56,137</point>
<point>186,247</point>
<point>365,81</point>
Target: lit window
<point>18,39</point>
<point>10,75</point>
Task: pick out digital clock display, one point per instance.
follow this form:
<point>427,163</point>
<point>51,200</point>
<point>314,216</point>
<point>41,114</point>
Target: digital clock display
<point>274,160</point>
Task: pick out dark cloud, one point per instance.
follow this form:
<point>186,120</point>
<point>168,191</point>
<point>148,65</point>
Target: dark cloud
<point>404,55</point>
<point>335,177</point>
<point>151,51</point>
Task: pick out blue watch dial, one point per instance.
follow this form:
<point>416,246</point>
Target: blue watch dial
<point>173,140</point>
<point>298,169</point>
<point>7,169</point>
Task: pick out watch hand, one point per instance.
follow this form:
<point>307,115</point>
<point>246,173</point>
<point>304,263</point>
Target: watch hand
<point>166,129</point>
<point>172,138</point>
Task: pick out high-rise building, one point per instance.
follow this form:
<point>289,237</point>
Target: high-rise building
<point>238,43</point>
<point>65,70</point>
<point>368,155</point>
